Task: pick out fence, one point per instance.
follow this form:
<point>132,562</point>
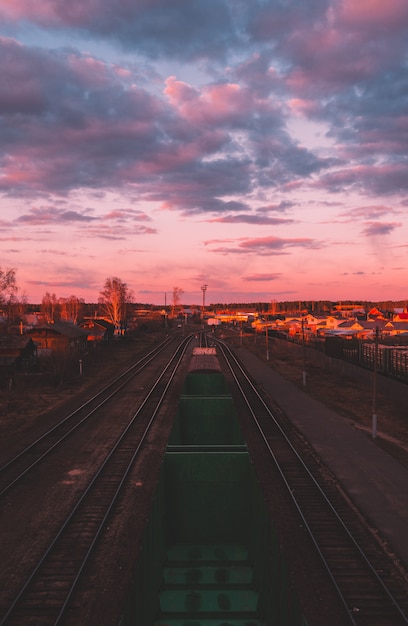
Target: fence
<point>391,361</point>
<point>316,354</point>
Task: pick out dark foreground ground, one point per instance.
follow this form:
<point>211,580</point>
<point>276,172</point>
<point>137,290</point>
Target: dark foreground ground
<point>25,411</point>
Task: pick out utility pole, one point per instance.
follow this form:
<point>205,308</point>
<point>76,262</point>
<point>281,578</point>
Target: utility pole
<point>203,289</point>
<point>304,353</point>
<point>374,418</point>
<point>267,341</point>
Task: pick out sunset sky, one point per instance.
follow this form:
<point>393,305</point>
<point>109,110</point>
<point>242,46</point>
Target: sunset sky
<point>256,146</point>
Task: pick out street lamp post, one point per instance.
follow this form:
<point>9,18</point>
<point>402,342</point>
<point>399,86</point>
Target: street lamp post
<point>203,289</point>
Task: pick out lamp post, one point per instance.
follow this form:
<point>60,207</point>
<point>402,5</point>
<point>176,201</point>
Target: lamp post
<point>203,289</point>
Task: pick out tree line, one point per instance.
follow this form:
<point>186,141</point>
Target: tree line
<point>115,297</point>
<point>113,300</point>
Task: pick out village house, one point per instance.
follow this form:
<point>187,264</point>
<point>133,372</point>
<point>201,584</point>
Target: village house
<point>397,328</point>
<point>401,317</point>
<point>361,329</point>
<point>18,353</point>
<point>58,337</point>
<point>366,329</point>
<point>98,330</point>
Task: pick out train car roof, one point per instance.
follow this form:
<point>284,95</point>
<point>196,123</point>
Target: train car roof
<point>204,360</point>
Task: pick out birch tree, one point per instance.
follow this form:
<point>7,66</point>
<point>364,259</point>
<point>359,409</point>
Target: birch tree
<point>71,308</point>
<point>8,290</point>
<point>113,300</point>
<point>50,307</point>
<point>8,285</point>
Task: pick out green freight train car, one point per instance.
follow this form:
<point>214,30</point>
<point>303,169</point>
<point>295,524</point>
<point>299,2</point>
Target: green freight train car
<point>210,556</point>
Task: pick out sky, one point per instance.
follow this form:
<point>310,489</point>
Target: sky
<point>257,147</point>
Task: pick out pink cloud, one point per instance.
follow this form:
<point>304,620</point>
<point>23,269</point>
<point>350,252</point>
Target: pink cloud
<point>307,107</point>
<point>264,246</point>
<point>381,179</point>
<point>116,232</point>
<point>42,11</point>
<point>213,104</point>
<point>51,215</point>
<point>367,212</point>
<point>374,229</point>
<point>348,43</point>
<point>49,12</point>
<point>261,277</point>
<point>366,13</point>
<point>126,214</point>
<point>272,243</point>
<point>256,219</point>
<point>90,72</point>
<point>179,92</point>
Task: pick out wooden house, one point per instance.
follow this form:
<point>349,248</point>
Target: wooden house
<point>58,337</point>
<point>18,353</point>
<point>99,330</point>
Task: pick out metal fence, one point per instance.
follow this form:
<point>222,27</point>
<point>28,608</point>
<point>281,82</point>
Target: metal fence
<point>390,361</point>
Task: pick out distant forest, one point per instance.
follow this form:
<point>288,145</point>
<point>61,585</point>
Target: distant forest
<point>275,306</point>
<point>313,306</point>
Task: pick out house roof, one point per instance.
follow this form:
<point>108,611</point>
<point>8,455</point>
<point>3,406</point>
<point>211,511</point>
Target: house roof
<point>12,347</point>
<point>61,328</point>
<point>364,324</point>
<point>403,326</point>
<point>98,322</point>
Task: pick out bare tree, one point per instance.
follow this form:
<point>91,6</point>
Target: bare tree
<point>71,308</point>
<point>8,285</point>
<point>50,307</point>
<point>113,299</point>
<point>8,290</point>
<point>18,309</point>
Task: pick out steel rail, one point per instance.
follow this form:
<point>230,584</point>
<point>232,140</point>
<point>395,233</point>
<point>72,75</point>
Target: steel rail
<point>165,378</point>
<point>229,357</point>
<point>112,389</point>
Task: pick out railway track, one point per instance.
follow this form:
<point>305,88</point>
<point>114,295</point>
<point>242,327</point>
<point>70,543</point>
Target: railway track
<point>16,468</point>
<point>363,577</point>
<point>49,589</point>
